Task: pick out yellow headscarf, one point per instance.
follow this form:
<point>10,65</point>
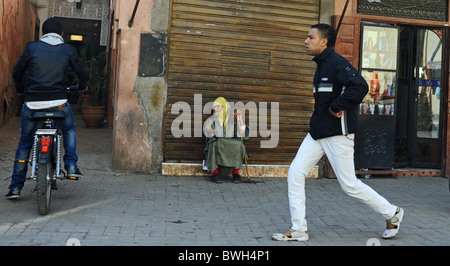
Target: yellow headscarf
<point>222,118</point>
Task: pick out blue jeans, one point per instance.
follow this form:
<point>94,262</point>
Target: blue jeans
<point>27,131</point>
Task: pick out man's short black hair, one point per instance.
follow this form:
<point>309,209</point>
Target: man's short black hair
<point>52,25</point>
<point>326,31</point>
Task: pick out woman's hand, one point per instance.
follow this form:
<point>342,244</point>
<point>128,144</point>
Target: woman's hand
<point>238,115</point>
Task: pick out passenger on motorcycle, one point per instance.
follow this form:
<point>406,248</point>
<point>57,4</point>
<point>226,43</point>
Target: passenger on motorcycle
<point>46,64</point>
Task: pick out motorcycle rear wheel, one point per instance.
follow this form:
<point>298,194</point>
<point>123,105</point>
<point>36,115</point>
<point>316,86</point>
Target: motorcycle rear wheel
<point>44,187</point>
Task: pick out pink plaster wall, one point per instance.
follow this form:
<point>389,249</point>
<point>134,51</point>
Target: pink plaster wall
<point>132,149</point>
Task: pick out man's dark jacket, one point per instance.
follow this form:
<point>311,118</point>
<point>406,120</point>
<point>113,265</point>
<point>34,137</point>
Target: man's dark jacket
<point>47,67</point>
<point>337,86</point>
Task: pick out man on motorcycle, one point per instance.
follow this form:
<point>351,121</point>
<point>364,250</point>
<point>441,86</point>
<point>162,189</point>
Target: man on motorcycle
<point>46,64</point>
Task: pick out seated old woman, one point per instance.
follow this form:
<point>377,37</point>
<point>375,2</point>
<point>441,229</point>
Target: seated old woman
<point>225,133</point>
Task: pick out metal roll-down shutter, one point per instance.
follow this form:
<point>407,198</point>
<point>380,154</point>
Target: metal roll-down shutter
<point>246,51</point>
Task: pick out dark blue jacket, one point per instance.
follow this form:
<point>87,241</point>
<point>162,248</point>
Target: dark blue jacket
<point>337,86</point>
<point>47,67</point>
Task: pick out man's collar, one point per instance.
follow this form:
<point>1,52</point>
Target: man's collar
<point>324,54</point>
<point>52,39</point>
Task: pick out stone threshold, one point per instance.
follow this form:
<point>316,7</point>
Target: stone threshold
<point>254,170</point>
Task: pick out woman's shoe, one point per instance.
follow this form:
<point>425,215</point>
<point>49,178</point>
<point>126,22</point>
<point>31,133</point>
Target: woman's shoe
<point>215,178</point>
<point>237,178</point>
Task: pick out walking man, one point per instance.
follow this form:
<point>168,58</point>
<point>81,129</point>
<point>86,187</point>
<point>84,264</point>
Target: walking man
<point>338,90</point>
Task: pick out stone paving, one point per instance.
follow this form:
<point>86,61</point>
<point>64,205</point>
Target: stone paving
<point>107,208</point>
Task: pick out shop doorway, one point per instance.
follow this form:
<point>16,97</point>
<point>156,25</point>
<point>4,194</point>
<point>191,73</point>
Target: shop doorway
<point>419,113</point>
<point>80,32</point>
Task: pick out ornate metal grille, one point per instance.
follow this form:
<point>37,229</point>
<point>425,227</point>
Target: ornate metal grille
<point>435,10</point>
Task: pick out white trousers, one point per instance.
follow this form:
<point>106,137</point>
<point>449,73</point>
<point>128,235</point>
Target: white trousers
<point>339,151</point>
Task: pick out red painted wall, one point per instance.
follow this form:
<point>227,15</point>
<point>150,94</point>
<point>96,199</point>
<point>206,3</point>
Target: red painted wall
<point>17,27</point>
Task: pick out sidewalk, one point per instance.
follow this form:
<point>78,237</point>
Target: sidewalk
<point>119,208</point>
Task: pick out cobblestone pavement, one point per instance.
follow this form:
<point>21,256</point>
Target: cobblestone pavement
<point>110,208</point>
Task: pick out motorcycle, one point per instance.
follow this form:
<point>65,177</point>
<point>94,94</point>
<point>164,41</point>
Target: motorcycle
<point>46,157</point>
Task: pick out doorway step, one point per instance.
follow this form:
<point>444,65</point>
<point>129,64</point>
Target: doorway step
<point>254,170</point>
<point>400,172</point>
